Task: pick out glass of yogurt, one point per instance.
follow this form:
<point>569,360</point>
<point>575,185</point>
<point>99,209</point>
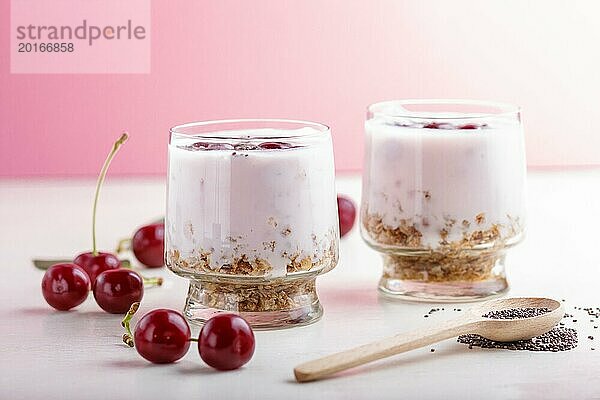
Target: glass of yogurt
<point>252,218</point>
<point>443,196</point>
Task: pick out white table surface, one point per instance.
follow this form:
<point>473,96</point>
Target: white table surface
<point>78,355</point>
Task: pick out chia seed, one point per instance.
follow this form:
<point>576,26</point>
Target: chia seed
<point>516,313</point>
<point>558,339</point>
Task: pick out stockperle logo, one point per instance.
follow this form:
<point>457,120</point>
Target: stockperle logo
<point>80,36</point>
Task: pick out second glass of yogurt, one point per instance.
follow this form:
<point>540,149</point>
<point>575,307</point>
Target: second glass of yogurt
<point>443,196</point>
<point>252,218</point>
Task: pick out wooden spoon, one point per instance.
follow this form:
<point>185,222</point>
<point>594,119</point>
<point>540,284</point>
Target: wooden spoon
<point>472,321</point>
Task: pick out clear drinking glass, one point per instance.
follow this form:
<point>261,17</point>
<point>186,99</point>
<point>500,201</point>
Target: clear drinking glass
<point>252,218</point>
<point>443,196</point>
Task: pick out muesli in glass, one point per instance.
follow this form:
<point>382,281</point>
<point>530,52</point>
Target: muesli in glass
<point>443,196</point>
<point>252,218</point>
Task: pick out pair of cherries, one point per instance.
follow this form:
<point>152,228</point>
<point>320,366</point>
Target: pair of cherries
<point>161,336</point>
<point>67,285</point>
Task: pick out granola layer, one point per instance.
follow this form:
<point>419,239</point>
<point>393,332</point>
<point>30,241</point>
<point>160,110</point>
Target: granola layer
<point>470,258</point>
<point>245,265</point>
<point>278,295</point>
<point>442,267</point>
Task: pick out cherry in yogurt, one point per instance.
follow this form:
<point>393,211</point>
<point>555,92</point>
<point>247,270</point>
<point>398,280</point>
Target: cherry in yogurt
<point>274,146</point>
<point>432,125</point>
<point>473,126</point>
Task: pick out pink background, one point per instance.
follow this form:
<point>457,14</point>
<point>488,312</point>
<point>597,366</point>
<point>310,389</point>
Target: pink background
<point>317,60</point>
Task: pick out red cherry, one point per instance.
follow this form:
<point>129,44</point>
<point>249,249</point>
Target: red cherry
<point>94,265</point>
<point>200,145</point>
<point>115,290</point>
<point>162,336</point>
<point>226,342</point>
<point>273,145</point>
<point>346,214</point>
<point>65,286</point>
<point>148,245</point>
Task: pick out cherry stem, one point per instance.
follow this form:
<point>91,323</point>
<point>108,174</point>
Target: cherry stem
<point>101,177</point>
<point>125,323</point>
<point>124,244</point>
<point>193,340</point>
<point>153,281</point>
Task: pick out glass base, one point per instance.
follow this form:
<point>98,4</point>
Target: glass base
<point>274,305</point>
<point>472,276</point>
<point>451,292</point>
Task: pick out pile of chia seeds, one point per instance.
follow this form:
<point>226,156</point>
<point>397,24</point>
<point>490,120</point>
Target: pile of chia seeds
<point>558,339</point>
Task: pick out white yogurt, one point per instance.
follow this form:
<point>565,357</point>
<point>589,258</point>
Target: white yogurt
<point>259,203</point>
<point>432,176</point>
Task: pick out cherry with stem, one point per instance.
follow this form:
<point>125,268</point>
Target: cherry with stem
<point>161,336</point>
<point>95,262</point>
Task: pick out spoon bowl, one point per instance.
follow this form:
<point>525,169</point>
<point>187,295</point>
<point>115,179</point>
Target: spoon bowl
<point>510,330</point>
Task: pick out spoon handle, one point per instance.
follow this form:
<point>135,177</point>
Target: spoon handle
<point>325,366</point>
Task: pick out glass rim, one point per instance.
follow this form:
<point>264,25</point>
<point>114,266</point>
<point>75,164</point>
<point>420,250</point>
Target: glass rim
<point>504,109</point>
<point>319,128</point>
